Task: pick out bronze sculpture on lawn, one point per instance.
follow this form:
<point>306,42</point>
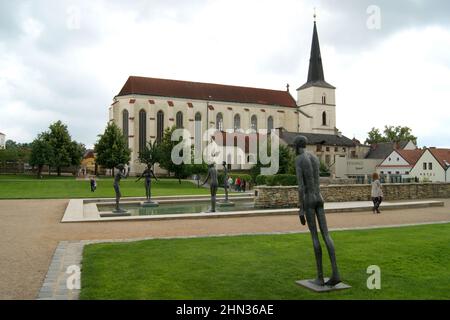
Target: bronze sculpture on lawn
<point>226,186</point>
<point>213,185</point>
<point>225,180</point>
<point>121,173</point>
<point>148,174</point>
<point>312,206</point>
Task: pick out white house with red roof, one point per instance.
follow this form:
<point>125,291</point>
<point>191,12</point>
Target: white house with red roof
<point>399,162</point>
<point>433,166</point>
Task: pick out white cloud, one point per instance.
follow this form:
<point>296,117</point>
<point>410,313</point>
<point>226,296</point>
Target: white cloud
<point>49,71</point>
<point>400,82</point>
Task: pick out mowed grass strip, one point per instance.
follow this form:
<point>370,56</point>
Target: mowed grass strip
<point>414,262</point>
<point>66,187</point>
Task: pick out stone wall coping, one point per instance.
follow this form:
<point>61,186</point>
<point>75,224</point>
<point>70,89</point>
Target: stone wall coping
<point>354,185</point>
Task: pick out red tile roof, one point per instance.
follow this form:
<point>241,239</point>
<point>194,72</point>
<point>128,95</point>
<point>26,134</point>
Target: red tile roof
<point>411,156</point>
<point>206,91</point>
<point>441,156</point>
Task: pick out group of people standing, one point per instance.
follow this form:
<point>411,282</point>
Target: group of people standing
<point>239,185</point>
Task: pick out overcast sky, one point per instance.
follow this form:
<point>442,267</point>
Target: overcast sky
<point>66,60</point>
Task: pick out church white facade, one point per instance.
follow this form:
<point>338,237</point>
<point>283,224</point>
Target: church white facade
<point>146,106</point>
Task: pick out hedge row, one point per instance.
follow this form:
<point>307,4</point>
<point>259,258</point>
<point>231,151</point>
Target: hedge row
<point>277,180</point>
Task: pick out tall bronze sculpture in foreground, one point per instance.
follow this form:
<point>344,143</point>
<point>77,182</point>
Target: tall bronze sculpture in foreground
<point>312,206</point>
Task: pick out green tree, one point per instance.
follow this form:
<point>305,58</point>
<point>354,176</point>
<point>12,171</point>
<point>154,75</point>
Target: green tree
<point>286,160</point>
<point>111,147</point>
<point>11,144</point>
<point>64,151</point>
<point>390,134</point>
<point>77,151</point>
<point>41,152</point>
<point>166,146</point>
<point>14,152</point>
<point>150,155</point>
<point>8,154</point>
<point>399,133</point>
<point>375,136</point>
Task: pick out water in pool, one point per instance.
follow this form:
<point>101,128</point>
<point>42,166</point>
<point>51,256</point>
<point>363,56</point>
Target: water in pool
<point>176,208</point>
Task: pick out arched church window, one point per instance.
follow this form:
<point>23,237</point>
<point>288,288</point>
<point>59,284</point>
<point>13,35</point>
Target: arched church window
<point>324,99</point>
<point>125,131</point>
<point>324,118</point>
<point>219,121</point>
<point>179,122</point>
<point>159,126</point>
<point>198,131</point>
<point>270,124</point>
<point>142,130</point>
<point>254,123</point>
<point>237,122</point>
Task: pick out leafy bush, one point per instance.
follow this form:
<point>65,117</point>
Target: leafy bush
<point>261,180</point>
<point>277,180</point>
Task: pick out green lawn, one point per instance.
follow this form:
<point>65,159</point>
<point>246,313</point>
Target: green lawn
<point>414,262</point>
<point>28,187</point>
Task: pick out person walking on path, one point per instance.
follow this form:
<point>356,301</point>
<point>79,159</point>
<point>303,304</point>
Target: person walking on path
<point>377,193</point>
<point>93,184</point>
<point>243,185</point>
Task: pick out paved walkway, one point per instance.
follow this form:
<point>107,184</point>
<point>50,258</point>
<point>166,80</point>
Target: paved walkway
<point>30,232</point>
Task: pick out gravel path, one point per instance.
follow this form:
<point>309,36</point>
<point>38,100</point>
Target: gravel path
<point>30,231</point>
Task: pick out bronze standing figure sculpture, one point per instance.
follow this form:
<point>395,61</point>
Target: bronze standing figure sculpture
<point>148,174</point>
<point>226,186</point>
<point>121,173</point>
<point>213,185</point>
<point>312,207</point>
<point>225,180</point>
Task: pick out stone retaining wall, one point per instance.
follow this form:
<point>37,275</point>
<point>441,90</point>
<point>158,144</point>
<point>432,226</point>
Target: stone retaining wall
<point>287,197</point>
<point>324,181</point>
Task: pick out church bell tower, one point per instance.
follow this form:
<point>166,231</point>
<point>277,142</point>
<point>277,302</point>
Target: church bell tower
<point>316,98</point>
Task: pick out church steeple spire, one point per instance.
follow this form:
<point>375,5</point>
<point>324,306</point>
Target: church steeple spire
<point>315,74</point>
<point>315,62</point>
